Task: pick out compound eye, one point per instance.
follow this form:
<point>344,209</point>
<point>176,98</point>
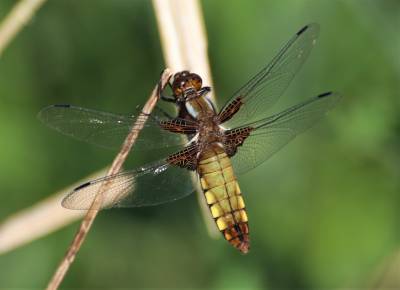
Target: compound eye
<point>177,91</point>
<point>196,82</point>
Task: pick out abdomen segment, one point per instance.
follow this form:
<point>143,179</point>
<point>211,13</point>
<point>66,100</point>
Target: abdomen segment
<point>224,197</point>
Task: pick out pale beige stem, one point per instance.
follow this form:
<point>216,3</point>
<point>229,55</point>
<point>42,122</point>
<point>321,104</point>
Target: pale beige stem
<point>183,36</point>
<point>19,16</point>
<point>34,222</point>
<point>184,43</point>
<point>98,200</point>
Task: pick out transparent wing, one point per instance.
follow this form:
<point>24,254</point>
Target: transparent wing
<point>263,90</point>
<point>152,184</point>
<point>106,129</point>
<point>272,133</point>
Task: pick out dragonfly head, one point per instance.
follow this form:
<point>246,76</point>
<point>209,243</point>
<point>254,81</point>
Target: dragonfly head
<point>184,81</point>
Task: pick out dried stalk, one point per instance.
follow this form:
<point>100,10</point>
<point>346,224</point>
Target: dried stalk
<point>34,222</point>
<point>185,47</point>
<point>115,168</point>
<point>184,43</point>
<point>183,36</point>
<point>19,16</point>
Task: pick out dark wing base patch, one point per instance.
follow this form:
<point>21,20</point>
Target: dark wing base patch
<point>180,126</point>
<point>230,110</point>
<point>235,138</point>
<point>186,158</point>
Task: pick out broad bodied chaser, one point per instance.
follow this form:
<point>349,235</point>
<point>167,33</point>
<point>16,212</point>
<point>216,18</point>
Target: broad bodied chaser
<point>222,143</point>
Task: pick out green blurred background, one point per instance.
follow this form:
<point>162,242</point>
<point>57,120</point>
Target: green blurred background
<point>324,211</point>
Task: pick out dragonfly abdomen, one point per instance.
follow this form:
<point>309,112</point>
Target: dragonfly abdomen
<point>224,197</point>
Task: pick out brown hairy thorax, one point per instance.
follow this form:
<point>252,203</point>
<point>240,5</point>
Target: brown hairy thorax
<point>185,80</point>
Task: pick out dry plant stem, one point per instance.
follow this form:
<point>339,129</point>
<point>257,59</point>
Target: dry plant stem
<point>184,43</point>
<point>183,36</point>
<point>33,222</point>
<point>19,16</point>
<point>115,168</point>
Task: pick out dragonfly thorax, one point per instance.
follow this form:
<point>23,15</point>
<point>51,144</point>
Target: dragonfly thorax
<point>210,133</point>
<point>201,108</point>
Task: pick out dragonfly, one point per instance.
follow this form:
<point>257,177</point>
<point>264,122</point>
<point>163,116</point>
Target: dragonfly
<point>208,146</point>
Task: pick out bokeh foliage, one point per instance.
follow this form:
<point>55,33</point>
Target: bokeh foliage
<point>323,212</point>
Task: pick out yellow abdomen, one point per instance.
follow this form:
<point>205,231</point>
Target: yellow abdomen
<point>224,197</point>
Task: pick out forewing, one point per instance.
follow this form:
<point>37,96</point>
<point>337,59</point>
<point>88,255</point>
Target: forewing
<point>149,185</point>
<point>271,134</point>
<point>106,129</point>
<point>260,93</point>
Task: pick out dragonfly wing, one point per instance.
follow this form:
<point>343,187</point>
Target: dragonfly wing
<point>149,185</point>
<point>259,94</point>
<point>107,130</point>
<point>270,134</point>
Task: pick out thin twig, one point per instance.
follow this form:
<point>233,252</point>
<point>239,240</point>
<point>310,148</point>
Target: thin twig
<point>184,43</point>
<point>19,16</point>
<point>98,200</point>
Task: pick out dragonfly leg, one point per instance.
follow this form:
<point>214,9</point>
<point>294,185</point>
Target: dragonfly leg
<point>167,98</point>
<point>170,99</point>
<point>204,91</point>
